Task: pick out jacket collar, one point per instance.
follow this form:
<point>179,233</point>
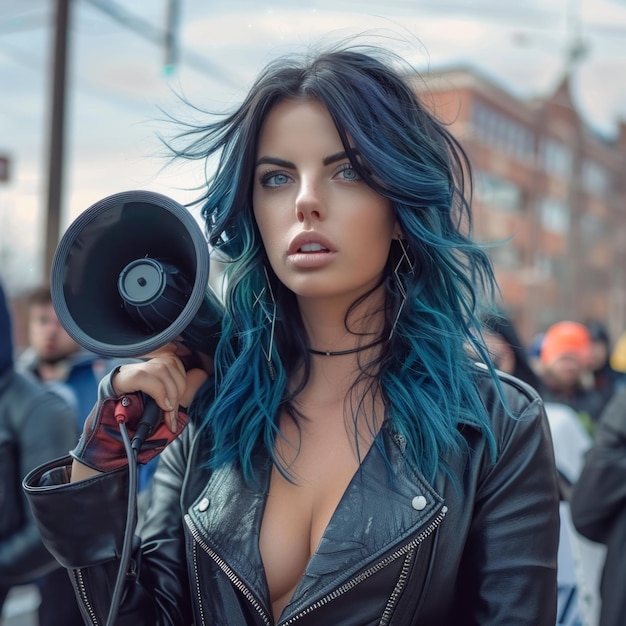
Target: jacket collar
<point>360,532</point>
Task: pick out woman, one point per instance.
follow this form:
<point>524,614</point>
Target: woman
<point>347,463</point>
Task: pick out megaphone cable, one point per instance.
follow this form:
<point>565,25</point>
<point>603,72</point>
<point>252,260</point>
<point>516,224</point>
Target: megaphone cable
<point>131,518</point>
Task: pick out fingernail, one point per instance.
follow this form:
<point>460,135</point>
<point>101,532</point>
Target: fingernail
<point>168,404</point>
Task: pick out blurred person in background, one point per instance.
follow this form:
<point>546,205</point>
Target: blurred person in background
<point>56,359</point>
<point>617,359</point>
<point>53,357</point>
<point>598,505</point>
<point>36,426</point>
<point>573,407</point>
<point>565,372</point>
<point>534,352</point>
<point>580,560</point>
<point>579,563</point>
<point>507,350</point>
<point>606,379</point>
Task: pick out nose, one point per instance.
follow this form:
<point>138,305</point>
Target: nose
<point>309,204</point>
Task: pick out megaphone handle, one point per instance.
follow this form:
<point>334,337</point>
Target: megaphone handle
<point>147,424</point>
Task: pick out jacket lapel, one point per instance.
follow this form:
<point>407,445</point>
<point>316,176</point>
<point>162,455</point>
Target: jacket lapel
<point>361,531</point>
<point>229,513</point>
<point>366,526</point>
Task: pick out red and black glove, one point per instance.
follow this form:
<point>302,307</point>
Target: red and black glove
<point>101,446</point>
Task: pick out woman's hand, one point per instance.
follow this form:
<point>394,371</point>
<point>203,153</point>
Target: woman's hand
<point>164,378</point>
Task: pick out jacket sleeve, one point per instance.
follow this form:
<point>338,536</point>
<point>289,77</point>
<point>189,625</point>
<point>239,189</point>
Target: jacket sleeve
<point>510,561</point>
<point>599,495</point>
<point>47,430</point>
<point>83,524</point>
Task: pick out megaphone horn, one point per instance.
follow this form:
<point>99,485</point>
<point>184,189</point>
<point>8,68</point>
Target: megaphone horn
<point>131,274</point>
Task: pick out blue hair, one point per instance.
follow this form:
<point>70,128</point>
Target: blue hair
<point>434,280</point>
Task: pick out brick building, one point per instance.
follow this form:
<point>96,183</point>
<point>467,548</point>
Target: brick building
<point>550,190</point>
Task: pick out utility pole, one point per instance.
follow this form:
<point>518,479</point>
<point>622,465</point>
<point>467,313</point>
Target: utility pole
<point>575,274</point>
<point>56,159</point>
<point>171,37</point>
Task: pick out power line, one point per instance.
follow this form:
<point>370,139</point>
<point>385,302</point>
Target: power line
<point>162,38</point>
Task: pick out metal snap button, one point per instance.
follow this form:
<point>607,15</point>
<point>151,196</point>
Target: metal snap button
<point>203,505</point>
<point>418,503</point>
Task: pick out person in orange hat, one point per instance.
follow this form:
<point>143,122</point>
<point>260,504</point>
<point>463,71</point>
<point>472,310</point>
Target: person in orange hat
<point>565,370</point>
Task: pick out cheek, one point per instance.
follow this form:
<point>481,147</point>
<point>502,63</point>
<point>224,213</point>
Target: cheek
<point>371,254</point>
<point>374,235</point>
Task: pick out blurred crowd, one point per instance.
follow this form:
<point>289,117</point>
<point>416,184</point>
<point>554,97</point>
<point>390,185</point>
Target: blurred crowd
<point>578,370</point>
<point>47,390</point>
<point>580,374</point>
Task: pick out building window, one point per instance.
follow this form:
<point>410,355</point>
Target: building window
<point>555,215</point>
<point>555,157</point>
<point>501,131</point>
<point>595,179</point>
<point>498,192</point>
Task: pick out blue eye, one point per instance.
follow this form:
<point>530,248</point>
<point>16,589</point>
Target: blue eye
<point>347,172</point>
<point>274,179</point>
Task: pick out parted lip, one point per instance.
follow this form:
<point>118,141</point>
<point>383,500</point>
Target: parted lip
<point>307,238</point>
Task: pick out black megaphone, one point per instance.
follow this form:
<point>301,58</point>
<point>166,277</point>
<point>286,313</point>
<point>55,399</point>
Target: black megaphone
<point>131,274</point>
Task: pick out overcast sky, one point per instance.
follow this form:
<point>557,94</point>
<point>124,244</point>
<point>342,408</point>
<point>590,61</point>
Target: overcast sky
<point>117,83</point>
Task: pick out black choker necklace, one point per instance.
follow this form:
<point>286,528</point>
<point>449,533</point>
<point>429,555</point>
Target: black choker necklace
<point>342,352</point>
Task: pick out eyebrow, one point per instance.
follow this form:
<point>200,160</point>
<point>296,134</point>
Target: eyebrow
<point>275,161</point>
<point>335,157</point>
<point>267,160</point>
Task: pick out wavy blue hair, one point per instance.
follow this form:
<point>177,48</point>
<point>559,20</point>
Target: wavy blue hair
<point>424,372</point>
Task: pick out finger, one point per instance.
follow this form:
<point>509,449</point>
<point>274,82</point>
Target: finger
<point>162,378</point>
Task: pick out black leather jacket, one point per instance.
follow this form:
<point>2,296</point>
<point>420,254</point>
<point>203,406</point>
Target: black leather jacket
<point>598,505</point>
<point>476,547</point>
<point>36,425</point>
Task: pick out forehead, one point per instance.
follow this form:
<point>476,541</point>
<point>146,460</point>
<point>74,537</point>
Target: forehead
<point>294,121</point>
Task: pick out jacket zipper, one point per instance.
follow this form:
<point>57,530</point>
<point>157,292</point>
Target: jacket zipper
<point>237,583</point>
<point>398,589</point>
<point>372,570</point>
<point>80,583</point>
<point>197,581</point>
